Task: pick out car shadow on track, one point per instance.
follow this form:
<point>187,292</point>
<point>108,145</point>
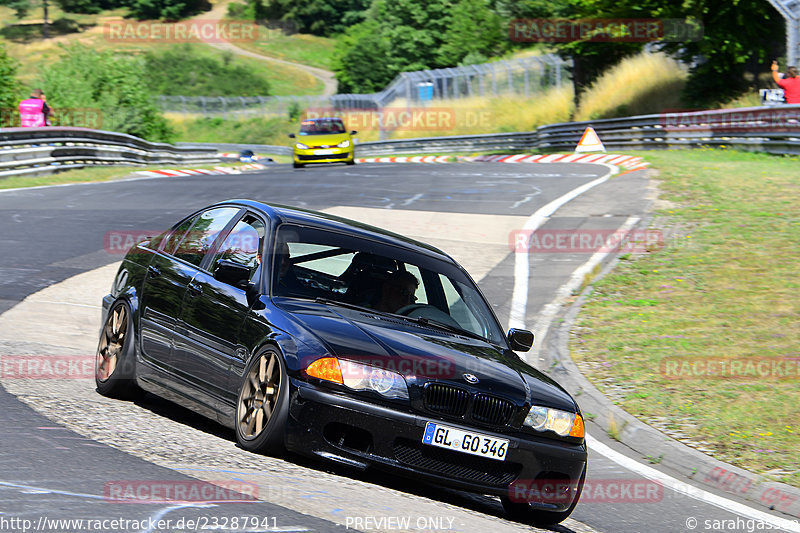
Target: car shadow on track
<point>487,505</point>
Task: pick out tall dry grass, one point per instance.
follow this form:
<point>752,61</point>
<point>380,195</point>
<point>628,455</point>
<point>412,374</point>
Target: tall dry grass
<point>464,116</point>
<point>639,85</point>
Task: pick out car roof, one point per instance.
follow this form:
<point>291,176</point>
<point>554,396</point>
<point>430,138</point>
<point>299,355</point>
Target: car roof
<point>307,217</point>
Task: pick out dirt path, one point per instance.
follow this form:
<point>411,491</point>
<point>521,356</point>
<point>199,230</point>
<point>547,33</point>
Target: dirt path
<point>325,76</point>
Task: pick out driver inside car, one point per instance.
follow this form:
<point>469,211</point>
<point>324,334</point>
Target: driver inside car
<point>397,291</point>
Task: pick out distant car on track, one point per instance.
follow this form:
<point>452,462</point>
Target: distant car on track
<point>341,341</point>
<point>323,140</point>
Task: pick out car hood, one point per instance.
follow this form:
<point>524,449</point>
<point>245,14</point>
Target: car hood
<point>320,140</point>
<point>422,353</point>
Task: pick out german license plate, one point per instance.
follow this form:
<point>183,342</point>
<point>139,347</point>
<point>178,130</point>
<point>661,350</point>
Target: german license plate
<point>465,441</point>
<point>323,152</point>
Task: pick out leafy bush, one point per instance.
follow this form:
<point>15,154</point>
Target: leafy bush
<point>88,81</point>
<point>404,35</point>
<point>257,130</point>
<point>9,89</point>
<point>170,10</point>
<point>91,6</point>
<point>186,71</point>
<point>319,17</point>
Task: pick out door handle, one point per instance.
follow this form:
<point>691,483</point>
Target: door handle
<point>154,271</point>
<point>195,289</point>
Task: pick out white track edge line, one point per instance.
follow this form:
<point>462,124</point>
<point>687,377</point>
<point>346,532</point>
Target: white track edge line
<point>689,490</point>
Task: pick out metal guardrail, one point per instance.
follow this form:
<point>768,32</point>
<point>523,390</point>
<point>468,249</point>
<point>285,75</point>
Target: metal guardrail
<point>525,141</point>
<point>229,147</point>
<point>773,129</point>
<point>32,151</point>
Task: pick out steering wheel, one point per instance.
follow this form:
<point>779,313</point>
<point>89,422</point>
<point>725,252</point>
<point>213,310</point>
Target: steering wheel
<point>428,311</point>
<point>408,309</point>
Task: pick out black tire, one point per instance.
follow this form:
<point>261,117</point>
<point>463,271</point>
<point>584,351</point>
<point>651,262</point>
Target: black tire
<point>260,414</point>
<point>523,512</point>
<point>351,161</point>
<point>297,165</point>
<point>115,361</point>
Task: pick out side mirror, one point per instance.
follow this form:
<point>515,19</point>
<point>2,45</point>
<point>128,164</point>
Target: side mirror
<point>291,136</point>
<point>520,340</point>
<point>353,132</point>
<point>232,273</point>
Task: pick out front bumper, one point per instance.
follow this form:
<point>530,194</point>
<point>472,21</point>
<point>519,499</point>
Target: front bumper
<point>342,428</point>
<point>312,156</point>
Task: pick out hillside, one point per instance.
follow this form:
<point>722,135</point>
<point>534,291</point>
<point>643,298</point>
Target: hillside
<point>287,75</point>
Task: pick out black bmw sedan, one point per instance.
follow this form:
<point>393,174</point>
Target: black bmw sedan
<point>338,340</point>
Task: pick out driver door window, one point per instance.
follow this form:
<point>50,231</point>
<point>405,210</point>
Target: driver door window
<point>243,245</point>
<point>198,240</point>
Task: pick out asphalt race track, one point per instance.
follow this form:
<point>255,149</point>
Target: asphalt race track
<point>64,448</point>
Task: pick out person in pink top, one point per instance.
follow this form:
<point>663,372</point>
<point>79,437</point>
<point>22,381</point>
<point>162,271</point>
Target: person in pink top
<point>790,84</point>
<point>34,112</point>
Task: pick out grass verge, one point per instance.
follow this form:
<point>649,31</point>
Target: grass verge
<point>723,289</point>
<point>93,174</point>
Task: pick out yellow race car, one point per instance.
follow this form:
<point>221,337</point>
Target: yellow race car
<point>323,140</point>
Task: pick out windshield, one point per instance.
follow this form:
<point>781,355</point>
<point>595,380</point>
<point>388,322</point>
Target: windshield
<point>322,127</point>
<point>312,263</point>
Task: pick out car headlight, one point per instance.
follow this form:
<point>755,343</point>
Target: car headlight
<point>359,377</point>
<point>301,146</point>
<point>344,144</point>
<point>560,422</point>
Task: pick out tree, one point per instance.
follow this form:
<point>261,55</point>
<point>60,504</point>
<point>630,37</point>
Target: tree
<point>9,89</point>
<point>738,35</point>
<point>169,10</point>
<point>740,39</point>
<point>21,8</point>
<point>397,36</point>
<point>320,17</point>
<point>106,84</point>
<point>90,6</point>
<point>357,61</point>
<point>474,33</point>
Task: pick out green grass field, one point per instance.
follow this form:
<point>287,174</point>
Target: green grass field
<point>23,42</point>
<point>299,48</point>
<point>724,292</point>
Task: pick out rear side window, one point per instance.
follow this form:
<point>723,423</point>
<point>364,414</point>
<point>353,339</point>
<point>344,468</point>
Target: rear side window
<point>198,240</point>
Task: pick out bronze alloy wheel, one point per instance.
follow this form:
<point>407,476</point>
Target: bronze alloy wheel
<point>112,343</point>
<point>262,406</point>
<point>114,372</point>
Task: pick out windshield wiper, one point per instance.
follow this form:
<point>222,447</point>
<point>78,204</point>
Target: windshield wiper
<point>357,307</point>
<point>415,320</point>
<point>447,327</point>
